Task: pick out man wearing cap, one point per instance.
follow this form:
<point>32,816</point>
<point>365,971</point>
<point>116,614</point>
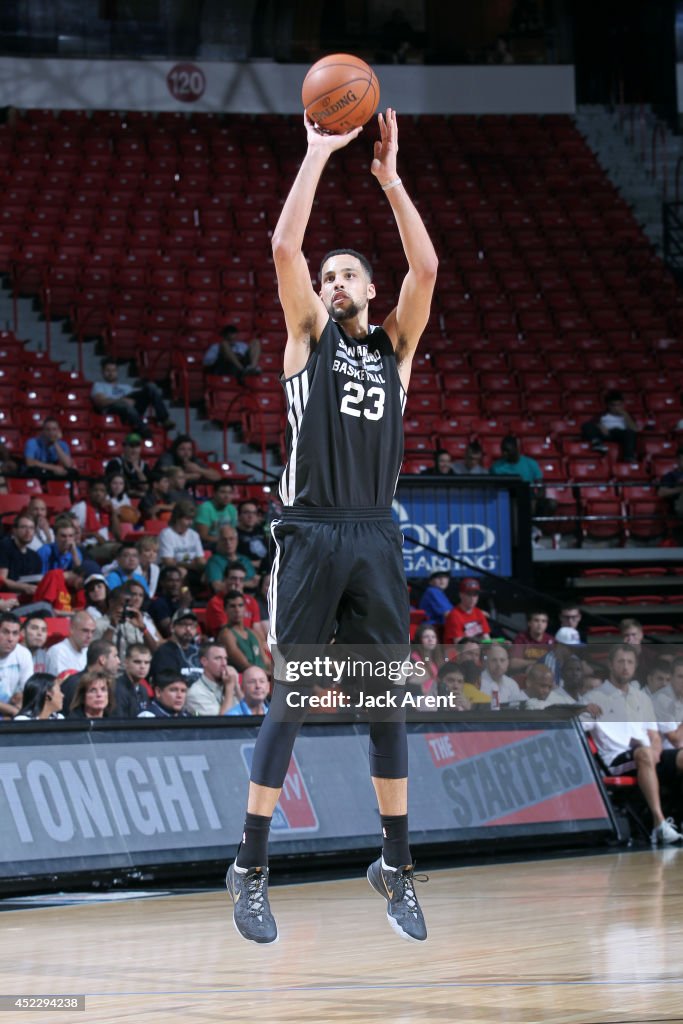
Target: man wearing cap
<point>435,602</point>
<point>132,466</point>
<point>567,640</point>
<point>466,619</point>
<point>128,402</point>
<point>181,652</point>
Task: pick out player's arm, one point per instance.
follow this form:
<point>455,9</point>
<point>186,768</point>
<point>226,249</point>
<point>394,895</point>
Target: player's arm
<point>305,314</point>
<point>407,321</point>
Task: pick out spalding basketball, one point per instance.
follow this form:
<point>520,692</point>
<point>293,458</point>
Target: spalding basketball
<point>340,92</point>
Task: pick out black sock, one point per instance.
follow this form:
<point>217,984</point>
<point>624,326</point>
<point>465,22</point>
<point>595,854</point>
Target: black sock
<point>395,845</point>
<point>253,851</point>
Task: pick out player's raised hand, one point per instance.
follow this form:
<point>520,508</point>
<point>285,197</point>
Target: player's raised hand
<point>318,138</point>
<point>386,148</point>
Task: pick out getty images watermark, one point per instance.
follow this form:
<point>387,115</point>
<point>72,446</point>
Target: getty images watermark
<point>369,678</point>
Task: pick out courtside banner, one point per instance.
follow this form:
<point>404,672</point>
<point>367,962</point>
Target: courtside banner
<point>75,798</point>
<point>474,522</point>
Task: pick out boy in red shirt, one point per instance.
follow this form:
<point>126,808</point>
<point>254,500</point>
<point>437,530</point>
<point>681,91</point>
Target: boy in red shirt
<point>466,619</point>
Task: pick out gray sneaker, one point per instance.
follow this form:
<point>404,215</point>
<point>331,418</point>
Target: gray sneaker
<point>251,914</point>
<point>397,888</point>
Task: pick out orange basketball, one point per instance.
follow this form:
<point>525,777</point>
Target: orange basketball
<point>340,92</point>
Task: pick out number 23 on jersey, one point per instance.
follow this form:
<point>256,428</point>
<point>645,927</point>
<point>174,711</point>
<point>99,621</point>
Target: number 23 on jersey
<point>352,402</point>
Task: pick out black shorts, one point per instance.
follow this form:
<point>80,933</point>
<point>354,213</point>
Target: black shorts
<point>339,574</point>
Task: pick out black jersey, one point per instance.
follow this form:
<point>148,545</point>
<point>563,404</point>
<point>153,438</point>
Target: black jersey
<point>345,424</point>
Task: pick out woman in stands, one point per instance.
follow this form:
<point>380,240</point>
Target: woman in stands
<point>428,656</point>
<point>96,596</point>
<point>94,696</point>
<point>42,698</point>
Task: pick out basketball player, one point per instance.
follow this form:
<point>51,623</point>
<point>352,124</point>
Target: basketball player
<point>337,550</point>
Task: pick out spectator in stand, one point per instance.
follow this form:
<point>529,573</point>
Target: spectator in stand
<point>172,596</point>
<point>570,615</point>
<point>182,454</point>
<point>99,522</point>
<point>44,534</point>
<point>125,623</point>
<point>628,740</point>
<point>472,463</point>
<point>466,619</point>
<point>251,535</point>
<point>233,355</point>
<point>213,513</point>
<point>127,401</point>
<point>513,463</point>
<point>16,665</point>
<point>10,465</point>
<point>427,655</point>
<point>442,464</point>
<point>42,699</point>
<point>181,546</point>
<point>94,697</point>
<point>181,652</point>
<point>615,424</point>
<point>215,692</point>
<point>170,694</point>
<point>567,640</point>
<point>256,687</point>
<point>632,633</point>
<point>500,687</point>
<point>20,567</point>
<point>136,472</point>
<point>137,664</point>
<point>126,567</point>
<point>434,602</point>
<point>157,501</point>
<point>451,680</point>
<point>130,689</point>
<point>244,647</point>
<point>467,652</point>
<point>224,555</point>
<point>471,674</point>
<point>658,678</point>
<point>668,705</point>
<point>96,596</point>
<point>48,456</point>
<point>72,652</point>
<point>138,598</point>
<point>177,491</point>
<point>120,499</point>
<point>533,644</point>
<point>102,657</point>
<point>216,609</point>
<point>64,553</point>
<point>540,691</point>
<point>35,638</point>
<point>148,553</point>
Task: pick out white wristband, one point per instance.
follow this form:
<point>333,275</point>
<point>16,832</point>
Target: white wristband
<point>391,184</point>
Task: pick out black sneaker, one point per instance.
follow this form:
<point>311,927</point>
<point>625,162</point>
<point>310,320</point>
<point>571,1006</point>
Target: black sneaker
<point>403,910</point>
<point>252,916</point>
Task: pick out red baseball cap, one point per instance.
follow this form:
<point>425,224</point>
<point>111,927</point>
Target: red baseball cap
<point>469,585</point>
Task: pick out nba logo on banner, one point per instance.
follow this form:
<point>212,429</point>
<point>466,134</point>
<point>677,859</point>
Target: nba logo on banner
<point>295,811</point>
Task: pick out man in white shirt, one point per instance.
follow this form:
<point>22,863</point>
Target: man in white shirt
<point>16,665</point>
<point>540,691</point>
<point>615,424</point>
<point>72,652</point>
<point>668,705</point>
<point>179,544</point>
<point>628,740</point>
<point>494,682</point>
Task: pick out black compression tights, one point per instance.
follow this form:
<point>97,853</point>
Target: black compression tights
<point>388,744</point>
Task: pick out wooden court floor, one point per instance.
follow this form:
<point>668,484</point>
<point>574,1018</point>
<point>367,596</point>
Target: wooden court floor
<point>595,940</point>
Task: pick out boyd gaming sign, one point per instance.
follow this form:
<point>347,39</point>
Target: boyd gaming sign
<point>471,524</point>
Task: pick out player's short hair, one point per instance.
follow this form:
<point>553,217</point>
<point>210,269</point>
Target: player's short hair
<point>167,678</point>
<point>363,260</point>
